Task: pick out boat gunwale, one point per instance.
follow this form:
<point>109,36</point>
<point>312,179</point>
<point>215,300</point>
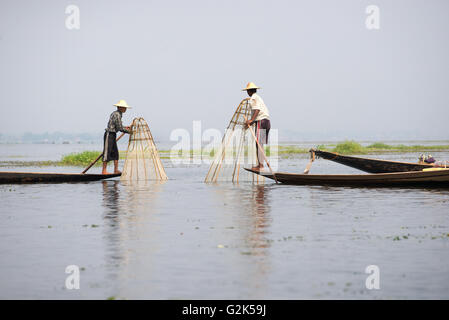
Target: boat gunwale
<point>442,172</point>
<point>14,177</point>
<point>61,173</point>
<point>371,159</point>
<point>409,178</point>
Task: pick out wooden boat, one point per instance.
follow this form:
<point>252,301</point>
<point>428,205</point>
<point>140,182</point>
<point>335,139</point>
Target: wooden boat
<point>428,178</point>
<point>371,165</point>
<point>49,177</point>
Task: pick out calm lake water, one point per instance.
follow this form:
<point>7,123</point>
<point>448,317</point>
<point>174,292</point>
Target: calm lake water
<point>184,239</point>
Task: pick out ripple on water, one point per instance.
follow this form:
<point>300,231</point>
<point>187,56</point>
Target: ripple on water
<point>187,239</point>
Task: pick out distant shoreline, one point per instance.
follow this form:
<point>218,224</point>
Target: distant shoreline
<point>84,158</point>
<point>281,142</point>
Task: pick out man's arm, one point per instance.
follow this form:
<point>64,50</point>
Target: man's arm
<point>119,125</point>
<point>254,103</point>
<point>253,118</point>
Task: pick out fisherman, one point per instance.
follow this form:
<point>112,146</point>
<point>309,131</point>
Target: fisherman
<point>110,151</point>
<point>261,118</point>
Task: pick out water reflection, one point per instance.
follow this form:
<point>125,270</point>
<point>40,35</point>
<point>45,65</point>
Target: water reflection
<point>133,200</point>
<point>141,196</point>
<point>111,199</point>
<point>131,219</point>
<point>256,229</point>
<point>259,204</point>
<point>249,208</point>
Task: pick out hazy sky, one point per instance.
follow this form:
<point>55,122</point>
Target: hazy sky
<point>322,71</point>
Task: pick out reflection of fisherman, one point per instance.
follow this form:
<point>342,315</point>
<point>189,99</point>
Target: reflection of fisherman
<point>110,151</point>
<point>261,117</point>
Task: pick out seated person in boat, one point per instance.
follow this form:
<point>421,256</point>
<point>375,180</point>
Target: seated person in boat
<point>427,159</point>
<point>261,118</point>
<point>110,151</point>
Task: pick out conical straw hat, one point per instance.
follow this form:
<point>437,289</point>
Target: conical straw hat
<point>251,85</point>
<point>122,103</point>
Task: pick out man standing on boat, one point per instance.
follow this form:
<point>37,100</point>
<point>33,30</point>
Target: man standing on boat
<point>261,118</point>
<point>110,151</point>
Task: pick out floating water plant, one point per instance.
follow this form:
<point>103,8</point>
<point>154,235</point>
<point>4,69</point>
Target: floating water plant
<point>80,159</point>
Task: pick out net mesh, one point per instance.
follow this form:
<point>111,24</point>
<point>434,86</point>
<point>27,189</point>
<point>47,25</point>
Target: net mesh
<point>142,158</point>
<point>237,151</point>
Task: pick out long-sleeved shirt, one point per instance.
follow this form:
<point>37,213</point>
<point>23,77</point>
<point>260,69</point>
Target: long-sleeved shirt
<point>115,123</point>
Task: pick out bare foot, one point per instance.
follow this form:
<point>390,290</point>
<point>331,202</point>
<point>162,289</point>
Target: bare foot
<point>105,172</point>
<point>117,172</point>
<point>256,168</point>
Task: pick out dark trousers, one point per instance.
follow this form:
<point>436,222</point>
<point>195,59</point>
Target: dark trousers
<point>110,149</point>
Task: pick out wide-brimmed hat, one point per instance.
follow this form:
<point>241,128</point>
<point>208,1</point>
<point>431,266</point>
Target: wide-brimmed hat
<point>250,85</point>
<point>123,104</point>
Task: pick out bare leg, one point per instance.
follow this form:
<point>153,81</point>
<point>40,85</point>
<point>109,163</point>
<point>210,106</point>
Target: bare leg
<point>259,165</point>
<point>260,156</point>
<point>116,167</point>
<point>105,166</point>
<point>262,138</point>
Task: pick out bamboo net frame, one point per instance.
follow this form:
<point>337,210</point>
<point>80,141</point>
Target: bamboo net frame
<point>142,158</point>
<point>237,150</point>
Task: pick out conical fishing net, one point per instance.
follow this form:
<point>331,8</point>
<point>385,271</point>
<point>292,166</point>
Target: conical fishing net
<point>142,158</point>
<point>236,152</point>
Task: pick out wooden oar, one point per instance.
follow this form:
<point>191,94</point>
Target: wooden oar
<point>95,161</point>
<point>263,152</point>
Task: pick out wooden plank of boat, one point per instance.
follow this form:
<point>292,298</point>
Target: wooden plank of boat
<point>50,177</point>
<point>371,165</point>
<point>434,178</point>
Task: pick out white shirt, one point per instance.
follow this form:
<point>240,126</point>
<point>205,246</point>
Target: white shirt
<point>256,103</point>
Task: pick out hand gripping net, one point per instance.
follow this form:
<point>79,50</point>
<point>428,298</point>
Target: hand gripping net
<point>142,159</point>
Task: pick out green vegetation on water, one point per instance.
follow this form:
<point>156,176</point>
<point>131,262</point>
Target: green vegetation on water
<point>348,147</point>
<point>80,159</point>
<point>287,150</point>
<point>83,159</point>
<point>28,163</point>
<point>352,147</point>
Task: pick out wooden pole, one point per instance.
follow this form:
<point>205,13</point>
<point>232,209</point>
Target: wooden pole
<point>129,142</point>
<point>95,161</point>
<point>263,152</point>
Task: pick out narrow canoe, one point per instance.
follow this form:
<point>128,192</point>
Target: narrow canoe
<point>433,178</point>
<point>49,177</point>
<point>371,165</point>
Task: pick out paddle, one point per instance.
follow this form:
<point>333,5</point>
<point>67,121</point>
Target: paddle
<point>95,161</point>
<point>263,152</point>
